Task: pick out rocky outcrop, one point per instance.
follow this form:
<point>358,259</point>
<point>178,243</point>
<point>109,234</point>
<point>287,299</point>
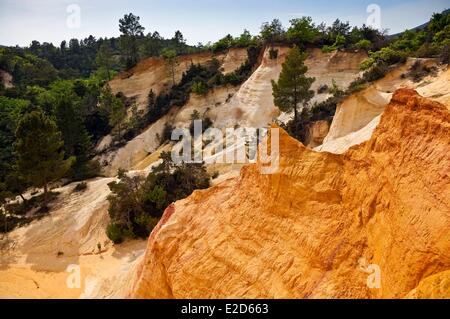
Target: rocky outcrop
<point>371,223</point>
<point>358,115</point>
<point>6,79</point>
<point>317,132</point>
<point>156,74</point>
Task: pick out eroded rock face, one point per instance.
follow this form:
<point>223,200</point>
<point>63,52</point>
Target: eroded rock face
<point>321,223</point>
<point>317,133</point>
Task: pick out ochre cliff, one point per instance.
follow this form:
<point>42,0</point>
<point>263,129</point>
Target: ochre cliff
<point>317,227</point>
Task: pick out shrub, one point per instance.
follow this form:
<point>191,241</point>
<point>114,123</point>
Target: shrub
<point>322,89</point>
<point>9,222</point>
<point>215,175</point>
<point>426,51</point>
<point>166,133</point>
<point>13,215</point>
<point>80,187</point>
<point>199,88</point>
<point>223,44</point>
<point>324,110</point>
<point>115,233</point>
<point>418,71</point>
<point>376,72</point>
<point>273,54</point>
<point>355,86</point>
<point>386,56</point>
<point>328,49</point>
<point>444,56</point>
<point>299,128</point>
<point>364,44</point>
<point>335,90</point>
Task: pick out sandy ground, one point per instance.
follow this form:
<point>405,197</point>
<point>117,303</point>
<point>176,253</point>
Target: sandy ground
<point>102,275</point>
<point>39,259</point>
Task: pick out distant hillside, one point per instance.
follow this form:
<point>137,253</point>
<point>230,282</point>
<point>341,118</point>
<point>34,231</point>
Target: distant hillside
<point>418,28</point>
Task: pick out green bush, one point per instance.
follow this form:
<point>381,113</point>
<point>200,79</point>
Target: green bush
<point>418,71</point>
<point>328,49</point>
<point>166,133</point>
<point>386,56</point>
<point>357,85</point>
<point>273,54</point>
<point>376,72</point>
<point>137,203</point>
<point>444,56</point>
<point>364,44</point>
<point>199,88</point>
<point>115,233</point>
<point>80,187</point>
<point>215,175</point>
<point>323,89</point>
<point>427,51</point>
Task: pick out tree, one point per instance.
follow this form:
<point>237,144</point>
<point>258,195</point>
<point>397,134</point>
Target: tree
<point>11,111</point>
<point>272,31</point>
<point>338,28</point>
<point>171,58</point>
<point>40,152</point>
<point>302,31</point>
<point>114,107</point>
<point>137,203</point>
<point>293,87</point>
<point>16,183</point>
<point>179,42</point>
<point>104,58</point>
<point>245,39</point>
<point>131,29</point>
<point>153,43</point>
<point>77,142</point>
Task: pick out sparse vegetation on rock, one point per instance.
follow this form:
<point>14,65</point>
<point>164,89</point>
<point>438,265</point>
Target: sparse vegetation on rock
<point>137,202</point>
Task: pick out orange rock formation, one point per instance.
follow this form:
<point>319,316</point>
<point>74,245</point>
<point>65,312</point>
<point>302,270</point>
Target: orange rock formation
<point>323,226</point>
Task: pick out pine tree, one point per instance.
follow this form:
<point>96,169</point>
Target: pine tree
<point>114,107</point>
<point>40,152</point>
<point>293,87</point>
<point>77,141</point>
<point>131,30</point>
<point>104,59</point>
<point>171,59</point>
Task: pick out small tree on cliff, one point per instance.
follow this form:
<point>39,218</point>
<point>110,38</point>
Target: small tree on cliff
<point>170,56</point>
<point>131,30</point>
<point>104,59</point>
<point>40,151</point>
<point>293,87</point>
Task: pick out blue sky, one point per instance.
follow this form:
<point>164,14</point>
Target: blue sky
<point>22,21</point>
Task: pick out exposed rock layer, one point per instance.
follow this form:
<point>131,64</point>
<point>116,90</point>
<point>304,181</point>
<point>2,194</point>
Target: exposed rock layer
<point>358,115</point>
<point>308,230</point>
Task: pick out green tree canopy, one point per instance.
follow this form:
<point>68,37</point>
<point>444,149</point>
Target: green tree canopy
<point>131,30</point>
<point>170,56</point>
<point>104,59</point>
<point>40,151</point>
<point>272,31</point>
<point>114,107</point>
<point>302,30</point>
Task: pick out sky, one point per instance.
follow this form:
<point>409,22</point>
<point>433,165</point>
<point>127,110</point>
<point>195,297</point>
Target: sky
<point>22,21</point>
